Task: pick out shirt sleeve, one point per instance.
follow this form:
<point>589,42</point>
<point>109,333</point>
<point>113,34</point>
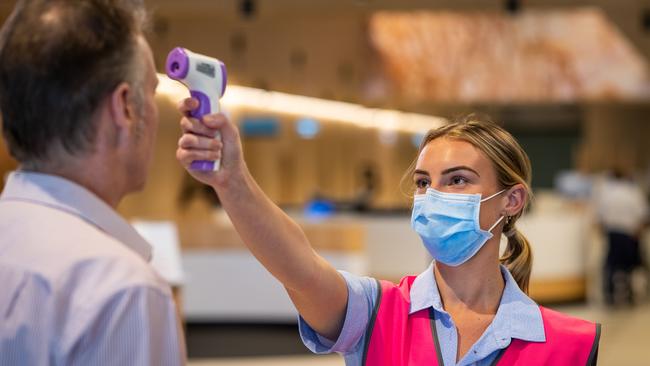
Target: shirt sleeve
<point>362,294</point>
<point>135,326</point>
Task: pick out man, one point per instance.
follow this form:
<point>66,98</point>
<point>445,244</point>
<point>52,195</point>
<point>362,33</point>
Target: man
<point>77,85</point>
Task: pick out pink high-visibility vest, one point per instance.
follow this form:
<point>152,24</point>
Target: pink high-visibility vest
<point>395,338</point>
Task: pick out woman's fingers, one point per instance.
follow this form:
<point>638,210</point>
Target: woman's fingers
<point>192,147</point>
<point>215,121</point>
<point>194,126</point>
<point>190,141</point>
<point>186,157</point>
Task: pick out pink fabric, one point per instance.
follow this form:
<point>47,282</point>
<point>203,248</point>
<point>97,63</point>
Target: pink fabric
<point>568,342</point>
<point>399,339</point>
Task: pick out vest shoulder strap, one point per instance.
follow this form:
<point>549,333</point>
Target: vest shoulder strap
<point>570,331</point>
<point>393,296</point>
<point>371,323</point>
<point>569,341</point>
<point>393,336</point>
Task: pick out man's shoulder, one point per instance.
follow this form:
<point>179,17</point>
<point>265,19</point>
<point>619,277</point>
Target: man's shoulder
<point>67,251</point>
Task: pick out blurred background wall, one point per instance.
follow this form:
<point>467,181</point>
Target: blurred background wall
<point>325,49</point>
<point>329,49</point>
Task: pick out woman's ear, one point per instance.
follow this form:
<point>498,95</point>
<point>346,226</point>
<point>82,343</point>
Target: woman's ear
<point>517,196</point>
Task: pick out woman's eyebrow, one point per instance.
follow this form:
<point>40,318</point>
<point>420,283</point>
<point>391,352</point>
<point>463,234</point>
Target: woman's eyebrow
<point>461,167</point>
<point>422,172</point>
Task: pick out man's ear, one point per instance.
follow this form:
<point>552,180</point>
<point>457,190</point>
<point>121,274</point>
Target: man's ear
<point>517,196</point>
<point>121,106</point>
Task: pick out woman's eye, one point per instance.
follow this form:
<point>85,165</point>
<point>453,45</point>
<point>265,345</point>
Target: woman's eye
<point>458,180</point>
<point>422,183</point>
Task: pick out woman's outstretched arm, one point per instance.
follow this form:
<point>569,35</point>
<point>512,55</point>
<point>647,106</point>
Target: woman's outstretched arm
<point>317,290</point>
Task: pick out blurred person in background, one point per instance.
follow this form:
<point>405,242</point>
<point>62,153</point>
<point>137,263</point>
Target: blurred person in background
<point>77,85</point>
<point>470,307</point>
<point>368,189</point>
<point>191,190</point>
<point>622,211</point>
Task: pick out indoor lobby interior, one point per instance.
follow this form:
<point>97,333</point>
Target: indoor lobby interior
<point>332,99</point>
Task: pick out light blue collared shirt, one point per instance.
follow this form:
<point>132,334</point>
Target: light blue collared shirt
<point>517,317</point>
<point>76,285</point>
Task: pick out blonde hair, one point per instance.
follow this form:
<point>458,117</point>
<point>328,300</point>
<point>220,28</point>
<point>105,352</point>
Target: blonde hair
<point>512,166</point>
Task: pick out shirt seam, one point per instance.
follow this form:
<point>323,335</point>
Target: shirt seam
<point>20,182</point>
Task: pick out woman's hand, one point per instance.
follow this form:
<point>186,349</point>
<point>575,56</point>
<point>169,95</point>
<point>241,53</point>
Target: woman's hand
<point>198,143</point>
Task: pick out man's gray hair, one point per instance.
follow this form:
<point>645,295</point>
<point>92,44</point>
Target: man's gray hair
<point>58,60</point>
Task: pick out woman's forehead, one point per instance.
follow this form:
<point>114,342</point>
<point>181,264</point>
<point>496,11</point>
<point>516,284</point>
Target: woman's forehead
<point>444,153</point>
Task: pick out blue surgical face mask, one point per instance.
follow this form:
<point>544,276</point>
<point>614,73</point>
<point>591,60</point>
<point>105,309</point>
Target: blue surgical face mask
<point>448,224</point>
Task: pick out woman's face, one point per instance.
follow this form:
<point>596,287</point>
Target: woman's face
<point>455,166</point>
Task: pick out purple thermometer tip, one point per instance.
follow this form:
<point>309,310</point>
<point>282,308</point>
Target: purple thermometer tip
<point>178,64</point>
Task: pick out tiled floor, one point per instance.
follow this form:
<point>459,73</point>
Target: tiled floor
<point>625,341</point>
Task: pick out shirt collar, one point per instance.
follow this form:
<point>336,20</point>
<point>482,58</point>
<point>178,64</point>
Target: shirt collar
<point>424,292</point>
<point>518,315</point>
<point>62,194</point>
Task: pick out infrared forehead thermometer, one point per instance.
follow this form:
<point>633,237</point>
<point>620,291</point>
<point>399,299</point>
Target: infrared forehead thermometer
<point>206,78</point>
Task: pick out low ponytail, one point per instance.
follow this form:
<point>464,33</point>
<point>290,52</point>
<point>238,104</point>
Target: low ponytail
<point>518,256</point>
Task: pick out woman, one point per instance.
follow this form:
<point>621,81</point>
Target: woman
<point>468,308</point>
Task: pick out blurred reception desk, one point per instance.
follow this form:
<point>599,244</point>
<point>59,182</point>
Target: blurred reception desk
<point>560,240</point>
<point>560,244</point>
<point>224,282</point>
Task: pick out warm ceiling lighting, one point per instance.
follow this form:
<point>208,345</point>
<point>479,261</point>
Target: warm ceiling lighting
<point>319,109</point>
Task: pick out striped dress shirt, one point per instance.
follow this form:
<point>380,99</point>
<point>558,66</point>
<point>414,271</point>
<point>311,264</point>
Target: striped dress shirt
<point>76,288</point>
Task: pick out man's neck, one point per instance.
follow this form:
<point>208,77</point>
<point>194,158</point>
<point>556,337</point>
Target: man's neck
<point>95,176</point>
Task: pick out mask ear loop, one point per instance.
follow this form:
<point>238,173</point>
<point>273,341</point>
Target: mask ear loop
<point>502,216</point>
<point>496,223</point>
<point>492,196</point>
